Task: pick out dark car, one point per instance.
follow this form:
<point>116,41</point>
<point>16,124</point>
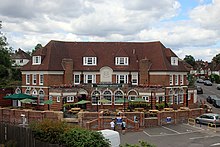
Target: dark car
<point>208,118</point>
<point>210,98</point>
<point>218,86</point>
<point>216,103</point>
<point>199,80</point>
<point>207,83</point>
<point>207,108</point>
<point>199,90</point>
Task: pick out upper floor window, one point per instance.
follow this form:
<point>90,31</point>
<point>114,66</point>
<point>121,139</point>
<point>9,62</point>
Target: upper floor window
<point>121,79</point>
<point>27,79</point>
<point>36,60</point>
<point>121,61</point>
<point>41,79</point>
<point>174,61</point>
<point>171,79</point>
<point>176,79</point>
<point>34,79</point>
<point>89,61</point>
<point>76,79</point>
<point>134,80</point>
<point>90,78</point>
<point>181,79</point>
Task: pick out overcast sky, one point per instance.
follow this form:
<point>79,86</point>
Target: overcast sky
<point>188,27</point>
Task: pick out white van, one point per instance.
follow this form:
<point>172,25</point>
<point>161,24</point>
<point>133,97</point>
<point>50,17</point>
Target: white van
<point>112,136</point>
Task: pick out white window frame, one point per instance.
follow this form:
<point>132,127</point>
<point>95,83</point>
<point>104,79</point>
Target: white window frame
<point>90,61</point>
<point>36,60</point>
<point>86,78</point>
<point>28,79</point>
<point>119,78</point>
<point>121,61</point>
<point>171,97</point>
<point>176,79</point>
<point>69,99</point>
<point>41,97</point>
<point>41,79</point>
<point>34,79</point>
<point>146,98</point>
<point>58,99</point>
<point>132,97</point>
<point>171,79</point>
<point>181,79</point>
<point>76,82</point>
<point>134,77</point>
<point>174,61</point>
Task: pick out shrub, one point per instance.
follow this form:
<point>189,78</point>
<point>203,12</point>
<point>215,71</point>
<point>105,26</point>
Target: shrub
<point>81,137</point>
<point>141,144</point>
<point>49,130</point>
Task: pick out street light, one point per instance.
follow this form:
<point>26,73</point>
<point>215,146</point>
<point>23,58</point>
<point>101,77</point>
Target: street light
<point>97,95</point>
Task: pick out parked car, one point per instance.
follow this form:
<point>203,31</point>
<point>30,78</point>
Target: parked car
<point>207,83</point>
<point>207,108</point>
<point>199,90</point>
<point>199,80</point>
<point>216,103</point>
<point>218,86</point>
<point>210,98</point>
<point>208,118</point>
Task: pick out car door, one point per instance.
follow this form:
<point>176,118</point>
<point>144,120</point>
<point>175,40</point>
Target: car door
<point>204,119</point>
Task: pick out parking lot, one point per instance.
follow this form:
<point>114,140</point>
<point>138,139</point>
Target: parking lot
<point>180,135</point>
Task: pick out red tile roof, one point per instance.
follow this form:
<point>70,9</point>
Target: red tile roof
<point>53,53</point>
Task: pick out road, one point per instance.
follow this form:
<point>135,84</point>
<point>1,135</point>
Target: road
<point>209,90</point>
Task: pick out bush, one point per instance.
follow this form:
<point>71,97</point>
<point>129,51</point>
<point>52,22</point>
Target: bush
<point>81,137</point>
<point>49,130</point>
<point>141,144</point>
<point>57,132</point>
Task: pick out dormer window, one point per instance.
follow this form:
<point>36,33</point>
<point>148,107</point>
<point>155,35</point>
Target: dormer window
<point>121,61</point>
<point>174,61</point>
<point>89,61</point>
<point>36,60</point>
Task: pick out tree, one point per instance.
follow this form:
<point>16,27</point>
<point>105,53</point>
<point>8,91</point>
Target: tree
<point>38,46</point>
<point>5,60</point>
<point>190,60</point>
<point>216,59</point>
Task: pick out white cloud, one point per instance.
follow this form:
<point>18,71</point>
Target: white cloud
<point>29,22</point>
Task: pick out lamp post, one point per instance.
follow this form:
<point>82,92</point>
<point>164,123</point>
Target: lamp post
<point>97,95</point>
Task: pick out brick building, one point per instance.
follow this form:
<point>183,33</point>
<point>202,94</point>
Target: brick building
<point>67,72</point>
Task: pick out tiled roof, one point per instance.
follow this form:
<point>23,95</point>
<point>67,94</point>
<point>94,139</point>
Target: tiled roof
<point>20,54</point>
<point>53,53</point>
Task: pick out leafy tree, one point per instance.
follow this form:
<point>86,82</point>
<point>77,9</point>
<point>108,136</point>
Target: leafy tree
<point>5,60</point>
<point>38,46</point>
<point>190,60</point>
<point>216,59</point>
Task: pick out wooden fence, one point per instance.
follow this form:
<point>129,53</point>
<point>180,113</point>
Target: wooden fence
<point>19,136</point>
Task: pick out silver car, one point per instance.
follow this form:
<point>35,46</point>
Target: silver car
<point>218,86</point>
<point>208,118</point>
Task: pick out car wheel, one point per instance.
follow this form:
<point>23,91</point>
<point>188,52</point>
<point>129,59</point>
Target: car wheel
<point>197,121</point>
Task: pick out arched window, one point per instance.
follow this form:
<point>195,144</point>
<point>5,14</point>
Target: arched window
<point>95,97</point>
<point>28,91</point>
<point>108,96</point>
<point>132,95</point>
<point>176,101</point>
<point>34,93</point>
<point>181,96</point>
<point>18,90</point>
<point>118,95</point>
<point>41,97</point>
<point>171,96</point>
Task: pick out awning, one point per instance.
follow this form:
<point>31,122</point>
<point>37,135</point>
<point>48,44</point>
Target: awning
<point>19,96</point>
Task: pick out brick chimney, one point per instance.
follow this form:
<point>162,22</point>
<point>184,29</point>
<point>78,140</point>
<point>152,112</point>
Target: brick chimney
<point>144,66</point>
<point>68,70</point>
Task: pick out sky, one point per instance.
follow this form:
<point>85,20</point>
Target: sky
<point>188,27</point>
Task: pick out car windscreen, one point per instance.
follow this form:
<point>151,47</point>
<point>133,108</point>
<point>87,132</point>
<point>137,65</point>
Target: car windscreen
<point>218,102</point>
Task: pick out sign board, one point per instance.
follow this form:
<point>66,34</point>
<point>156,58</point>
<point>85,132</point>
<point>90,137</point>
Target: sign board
<point>118,120</point>
<point>168,119</point>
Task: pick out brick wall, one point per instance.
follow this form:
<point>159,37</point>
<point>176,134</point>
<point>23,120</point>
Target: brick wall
<point>13,116</point>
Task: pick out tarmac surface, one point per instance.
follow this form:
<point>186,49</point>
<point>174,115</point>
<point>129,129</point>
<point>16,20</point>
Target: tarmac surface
<point>181,135</point>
